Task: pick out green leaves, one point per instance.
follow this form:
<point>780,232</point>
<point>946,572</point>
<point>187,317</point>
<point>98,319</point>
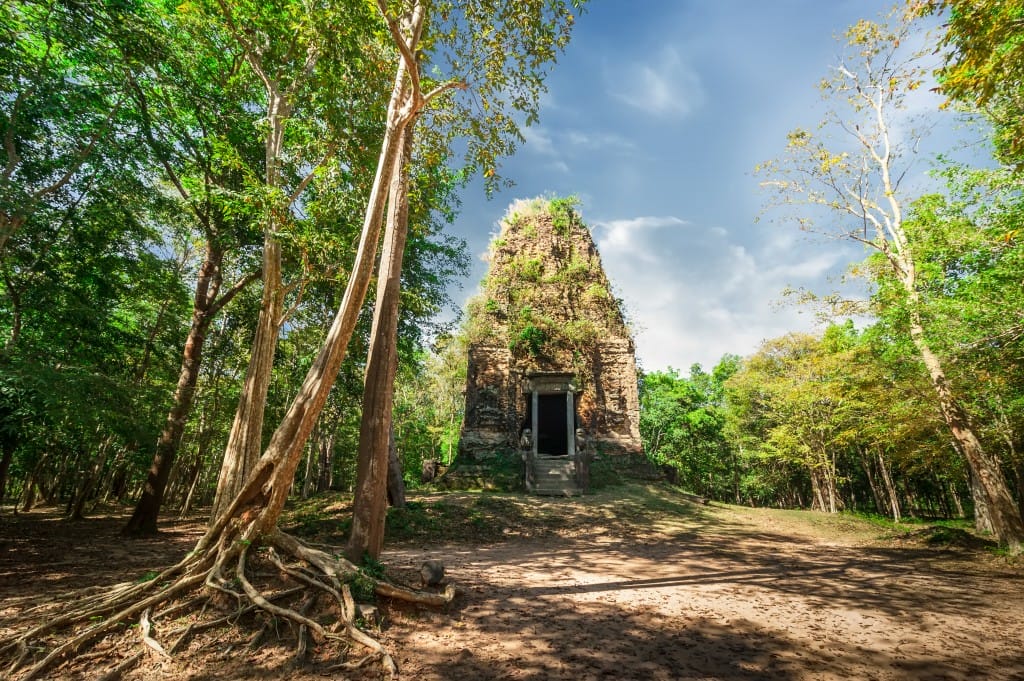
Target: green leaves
<point>502,50</point>
<point>984,65</point>
<point>682,424</point>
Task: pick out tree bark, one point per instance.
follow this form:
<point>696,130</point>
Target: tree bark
<point>982,513</point>
<point>265,490</point>
<point>8,443</point>
<point>816,488</point>
<point>396,483</point>
<point>1018,474</point>
<point>87,485</point>
<point>310,472</point>
<point>955,496</point>
<point>245,440</point>
<point>890,489</point>
<point>1005,517</point>
<point>369,508</point>
<point>325,465</point>
<point>876,493</point>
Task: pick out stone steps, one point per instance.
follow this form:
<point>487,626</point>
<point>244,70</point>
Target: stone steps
<point>554,477</point>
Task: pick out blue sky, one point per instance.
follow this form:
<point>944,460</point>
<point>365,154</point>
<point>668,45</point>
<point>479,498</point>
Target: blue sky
<point>656,116</point>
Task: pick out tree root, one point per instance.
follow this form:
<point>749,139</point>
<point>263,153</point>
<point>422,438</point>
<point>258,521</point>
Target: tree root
<point>316,572</point>
<point>121,667</point>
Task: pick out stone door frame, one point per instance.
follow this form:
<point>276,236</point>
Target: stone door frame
<point>538,384</point>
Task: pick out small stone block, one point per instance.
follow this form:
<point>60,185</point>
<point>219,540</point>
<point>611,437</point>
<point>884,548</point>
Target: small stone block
<point>369,614</point>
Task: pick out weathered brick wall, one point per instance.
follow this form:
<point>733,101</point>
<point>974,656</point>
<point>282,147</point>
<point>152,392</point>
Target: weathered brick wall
<point>546,278</point>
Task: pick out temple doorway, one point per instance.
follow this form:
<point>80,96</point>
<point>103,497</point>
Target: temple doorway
<point>553,425</point>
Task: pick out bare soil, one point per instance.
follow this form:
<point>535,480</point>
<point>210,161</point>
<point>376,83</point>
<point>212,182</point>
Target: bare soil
<point>631,583</point>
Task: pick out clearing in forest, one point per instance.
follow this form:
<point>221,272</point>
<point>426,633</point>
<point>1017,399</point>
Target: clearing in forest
<point>634,582</point>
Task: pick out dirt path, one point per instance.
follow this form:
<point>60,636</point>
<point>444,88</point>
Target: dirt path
<point>709,593</point>
<point>725,595</point>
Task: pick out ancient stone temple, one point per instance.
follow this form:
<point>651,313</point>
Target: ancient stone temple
<point>552,372</point>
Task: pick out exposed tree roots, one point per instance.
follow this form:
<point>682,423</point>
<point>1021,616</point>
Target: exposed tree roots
<point>212,575</point>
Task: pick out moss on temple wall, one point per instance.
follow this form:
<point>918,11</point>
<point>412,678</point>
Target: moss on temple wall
<point>546,316</point>
<point>546,296</point>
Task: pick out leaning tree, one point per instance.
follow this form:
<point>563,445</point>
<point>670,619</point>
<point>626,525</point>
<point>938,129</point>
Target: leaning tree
<point>220,561</point>
<point>856,186</point>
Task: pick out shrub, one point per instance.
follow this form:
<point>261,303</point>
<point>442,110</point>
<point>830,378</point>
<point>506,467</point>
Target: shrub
<point>531,338</point>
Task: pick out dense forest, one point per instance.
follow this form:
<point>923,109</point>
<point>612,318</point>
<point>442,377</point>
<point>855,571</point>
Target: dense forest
<point>921,411</point>
<point>168,180</point>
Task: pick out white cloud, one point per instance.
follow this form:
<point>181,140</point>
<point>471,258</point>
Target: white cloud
<point>538,140</point>
<point>599,141</point>
<point>624,236</point>
<point>813,267</point>
<point>664,85</point>
<point>696,294</point>
<point>560,166</point>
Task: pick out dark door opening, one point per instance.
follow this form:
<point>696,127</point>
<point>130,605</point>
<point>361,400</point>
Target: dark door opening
<point>552,425</point>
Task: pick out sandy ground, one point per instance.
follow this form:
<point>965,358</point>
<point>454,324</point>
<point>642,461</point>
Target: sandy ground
<point>714,593</point>
<point>734,596</point>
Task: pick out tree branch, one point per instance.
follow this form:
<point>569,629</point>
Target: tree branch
<point>13,159</point>
<point>331,150</point>
<point>82,156</point>
<point>248,47</point>
<point>411,66</point>
<point>234,290</point>
<point>444,87</point>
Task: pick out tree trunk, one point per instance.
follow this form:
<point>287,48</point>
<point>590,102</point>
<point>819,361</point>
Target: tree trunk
<point>310,472</point>
<point>910,504</point>
<point>325,465</point>
<point>876,493</point>
<point>369,508</point>
<point>245,440</point>
<point>955,496</point>
<point>265,490</point>
<point>115,477</point>
<point>88,483</point>
<point>30,491</point>
<point>143,520</point>
<point>829,473</point>
<point>186,504</point>
<point>396,484</point>
<point>1018,474</point>
<point>735,478</point>
<point>982,513</point>
<point>8,443</point>
<point>941,498</point>
<point>816,488</point>
<point>1006,520</point>
<point>890,489</point>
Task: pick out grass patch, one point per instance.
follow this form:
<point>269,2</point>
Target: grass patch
<point>630,508</point>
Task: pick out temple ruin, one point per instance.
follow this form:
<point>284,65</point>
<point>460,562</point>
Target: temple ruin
<point>552,370</point>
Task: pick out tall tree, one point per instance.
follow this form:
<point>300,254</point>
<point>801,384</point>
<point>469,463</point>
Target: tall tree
<point>191,107</point>
<point>860,187</point>
<point>501,49</point>
<point>682,424</point>
<point>376,434</point>
<point>299,55</point>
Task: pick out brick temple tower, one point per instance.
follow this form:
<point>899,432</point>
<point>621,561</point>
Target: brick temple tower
<point>552,369</point>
